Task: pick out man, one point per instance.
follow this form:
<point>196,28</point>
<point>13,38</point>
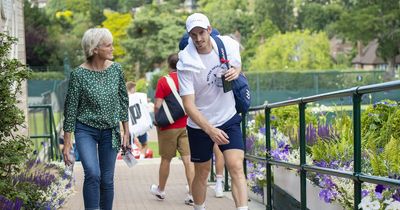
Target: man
<point>212,114</point>
<point>171,138</point>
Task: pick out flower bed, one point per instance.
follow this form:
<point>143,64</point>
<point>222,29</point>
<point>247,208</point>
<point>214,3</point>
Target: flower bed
<point>330,145</point>
<point>40,186</point>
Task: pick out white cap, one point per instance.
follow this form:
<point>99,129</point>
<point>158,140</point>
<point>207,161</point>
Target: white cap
<point>197,20</point>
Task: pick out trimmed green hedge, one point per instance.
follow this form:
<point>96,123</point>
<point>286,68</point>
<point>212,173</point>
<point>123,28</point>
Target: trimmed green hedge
<point>49,75</point>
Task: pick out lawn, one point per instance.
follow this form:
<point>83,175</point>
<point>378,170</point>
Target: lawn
<point>153,145</point>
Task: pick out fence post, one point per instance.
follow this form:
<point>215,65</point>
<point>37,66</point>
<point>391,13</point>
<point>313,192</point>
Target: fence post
<point>303,173</point>
<point>268,157</point>
<point>357,147</point>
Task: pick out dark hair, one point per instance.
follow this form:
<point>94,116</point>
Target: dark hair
<point>172,60</point>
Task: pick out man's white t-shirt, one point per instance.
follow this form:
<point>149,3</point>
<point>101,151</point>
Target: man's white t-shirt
<point>215,105</point>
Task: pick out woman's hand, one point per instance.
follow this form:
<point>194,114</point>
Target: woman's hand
<point>67,149</point>
<point>125,138</point>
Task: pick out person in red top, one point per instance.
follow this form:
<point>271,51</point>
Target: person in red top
<point>171,138</point>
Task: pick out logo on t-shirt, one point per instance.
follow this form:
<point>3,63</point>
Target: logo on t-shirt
<point>214,76</point>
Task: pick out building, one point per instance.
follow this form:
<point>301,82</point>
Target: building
<point>368,59</point>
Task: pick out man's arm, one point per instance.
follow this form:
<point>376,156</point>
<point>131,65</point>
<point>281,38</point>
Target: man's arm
<point>216,134</point>
<point>157,105</point>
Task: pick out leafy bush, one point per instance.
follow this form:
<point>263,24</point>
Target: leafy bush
<point>24,183</point>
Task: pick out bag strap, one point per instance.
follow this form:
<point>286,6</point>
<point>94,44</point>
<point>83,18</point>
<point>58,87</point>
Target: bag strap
<point>223,57</point>
<point>171,85</point>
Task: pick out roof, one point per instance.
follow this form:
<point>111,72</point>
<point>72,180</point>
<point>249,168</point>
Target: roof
<point>369,55</point>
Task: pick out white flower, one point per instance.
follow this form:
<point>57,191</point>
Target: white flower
<point>392,204</point>
<point>368,204</point>
<point>260,177</point>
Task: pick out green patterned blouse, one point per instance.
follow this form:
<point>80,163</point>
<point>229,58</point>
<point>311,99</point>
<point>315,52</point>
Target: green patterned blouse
<point>98,99</point>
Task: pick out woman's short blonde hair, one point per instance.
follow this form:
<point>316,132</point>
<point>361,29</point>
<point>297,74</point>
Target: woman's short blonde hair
<point>93,38</point>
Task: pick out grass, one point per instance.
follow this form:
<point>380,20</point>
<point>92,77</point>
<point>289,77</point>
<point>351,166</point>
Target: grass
<point>153,145</point>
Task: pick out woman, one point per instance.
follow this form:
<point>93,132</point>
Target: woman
<point>96,102</point>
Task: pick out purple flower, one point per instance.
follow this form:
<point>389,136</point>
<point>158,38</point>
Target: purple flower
<point>378,195</point>
<point>364,193</point>
<point>262,130</point>
<point>8,204</point>
<point>327,195</point>
<point>380,188</point>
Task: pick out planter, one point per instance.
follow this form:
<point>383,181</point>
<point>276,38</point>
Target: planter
<point>289,181</point>
<point>254,196</point>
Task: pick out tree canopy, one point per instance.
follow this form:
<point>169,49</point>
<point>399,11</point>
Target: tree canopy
<point>154,34</point>
<point>293,51</point>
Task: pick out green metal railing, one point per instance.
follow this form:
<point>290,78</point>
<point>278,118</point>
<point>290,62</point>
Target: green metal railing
<point>53,150</point>
<point>357,176</point>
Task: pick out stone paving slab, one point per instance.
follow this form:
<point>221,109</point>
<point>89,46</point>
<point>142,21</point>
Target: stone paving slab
<point>132,189</point>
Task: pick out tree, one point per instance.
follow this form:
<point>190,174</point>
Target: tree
<point>118,24</point>
<point>279,12</point>
<point>153,35</point>
<point>317,16</point>
<point>293,51</point>
<point>374,19</point>
<point>234,17</point>
<point>266,30</point>
<point>38,45</point>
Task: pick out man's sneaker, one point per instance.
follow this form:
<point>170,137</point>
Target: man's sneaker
<point>189,200</point>
<point>156,192</point>
<point>219,191</point>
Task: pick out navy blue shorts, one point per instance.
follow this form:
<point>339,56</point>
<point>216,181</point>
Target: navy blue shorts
<point>143,138</point>
<point>201,145</point>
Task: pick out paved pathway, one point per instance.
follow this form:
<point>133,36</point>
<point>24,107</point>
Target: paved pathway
<point>132,189</point>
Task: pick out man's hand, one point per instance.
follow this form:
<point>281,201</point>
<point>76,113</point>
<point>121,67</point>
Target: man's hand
<point>218,136</point>
<point>232,74</point>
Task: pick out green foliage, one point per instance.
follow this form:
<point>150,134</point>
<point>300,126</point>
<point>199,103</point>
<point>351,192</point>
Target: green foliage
<point>374,19</point>
<point>317,16</point>
<point>286,120</point>
<point>141,85</point>
<point>339,148</point>
<point>266,30</point>
<point>233,18</point>
<point>13,72</point>
<point>379,123</point>
<point>293,51</point>
<point>38,44</point>
<point>386,162</point>
<point>154,34</point>
<point>117,23</point>
<point>14,148</point>
<point>325,80</point>
<point>50,75</point>
<point>333,150</point>
<point>68,39</point>
<point>391,155</point>
<point>279,12</point>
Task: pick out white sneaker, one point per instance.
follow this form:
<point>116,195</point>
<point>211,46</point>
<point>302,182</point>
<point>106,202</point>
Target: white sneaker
<point>189,200</point>
<point>156,192</point>
<point>219,191</point>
